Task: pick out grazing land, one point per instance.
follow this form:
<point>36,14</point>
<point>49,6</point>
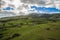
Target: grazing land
<point>30,27</point>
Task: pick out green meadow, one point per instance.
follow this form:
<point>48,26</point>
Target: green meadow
<point>31,27</point>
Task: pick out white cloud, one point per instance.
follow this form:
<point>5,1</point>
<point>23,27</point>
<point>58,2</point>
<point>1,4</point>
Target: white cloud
<point>24,5</point>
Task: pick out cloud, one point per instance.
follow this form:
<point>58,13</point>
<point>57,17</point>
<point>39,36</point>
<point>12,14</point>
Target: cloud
<point>45,3</point>
<point>2,2</point>
<point>25,5</point>
<point>39,2</point>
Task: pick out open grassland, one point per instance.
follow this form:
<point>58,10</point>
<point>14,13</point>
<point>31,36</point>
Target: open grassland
<point>29,28</point>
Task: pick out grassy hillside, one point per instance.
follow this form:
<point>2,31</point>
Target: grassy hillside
<point>30,27</point>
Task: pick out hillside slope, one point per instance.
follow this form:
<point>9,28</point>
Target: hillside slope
<point>30,28</point>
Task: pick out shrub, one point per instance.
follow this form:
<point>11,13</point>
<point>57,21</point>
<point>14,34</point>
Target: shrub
<point>16,35</point>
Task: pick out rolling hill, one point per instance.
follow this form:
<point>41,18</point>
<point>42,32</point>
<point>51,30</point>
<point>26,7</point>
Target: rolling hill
<point>30,27</point>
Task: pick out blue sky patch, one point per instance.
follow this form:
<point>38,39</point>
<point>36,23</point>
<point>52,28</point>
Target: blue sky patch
<point>8,8</point>
<point>44,9</point>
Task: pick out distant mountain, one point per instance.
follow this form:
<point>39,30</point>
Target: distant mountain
<point>7,14</point>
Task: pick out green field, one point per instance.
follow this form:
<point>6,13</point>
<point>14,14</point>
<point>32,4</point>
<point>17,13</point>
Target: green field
<point>30,28</point>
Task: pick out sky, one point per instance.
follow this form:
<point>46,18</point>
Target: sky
<point>29,6</point>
